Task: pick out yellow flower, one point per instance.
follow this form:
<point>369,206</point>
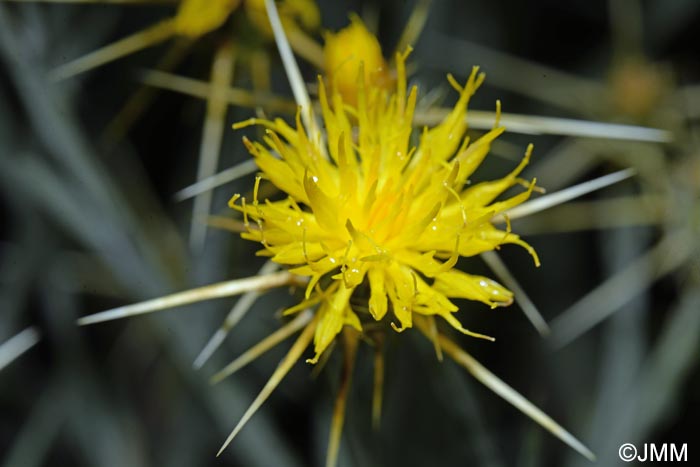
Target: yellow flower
<point>374,221</point>
<point>367,207</point>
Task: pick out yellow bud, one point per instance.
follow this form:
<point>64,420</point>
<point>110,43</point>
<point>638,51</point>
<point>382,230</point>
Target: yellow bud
<point>305,12</point>
<point>345,51</point>
<point>292,12</point>
<point>195,18</point>
<point>638,87</point>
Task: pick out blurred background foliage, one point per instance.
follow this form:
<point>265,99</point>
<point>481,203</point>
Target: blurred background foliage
<point>89,223</point>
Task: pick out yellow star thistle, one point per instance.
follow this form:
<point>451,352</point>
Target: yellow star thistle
<point>370,207</point>
<point>373,225</point>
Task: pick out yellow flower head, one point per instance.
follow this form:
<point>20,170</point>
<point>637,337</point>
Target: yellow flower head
<point>367,209</point>
<point>349,50</point>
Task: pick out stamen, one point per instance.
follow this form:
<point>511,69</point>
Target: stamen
<point>462,208</point>
<point>454,322</point>
<point>245,213</point>
<point>232,201</point>
<point>313,281</point>
<point>256,189</point>
<point>303,246</point>
<point>252,121</point>
<point>344,267</point>
<point>528,248</point>
<point>452,261</point>
<point>508,226</point>
<point>497,122</point>
<point>454,83</point>
<point>401,79</point>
